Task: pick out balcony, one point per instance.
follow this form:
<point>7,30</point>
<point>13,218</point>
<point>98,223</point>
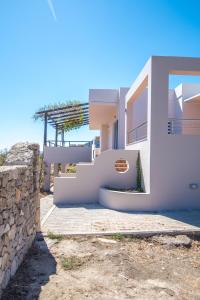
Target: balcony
<point>175,126</point>
<point>53,143</point>
<point>184,126</point>
<point>137,134</point>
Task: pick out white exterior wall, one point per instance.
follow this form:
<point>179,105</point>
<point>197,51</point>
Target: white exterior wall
<point>171,160</point>
<point>139,110</point>
<point>107,106</point>
<point>84,188</point>
<point>103,96</point>
<point>63,155</point>
<point>122,118</point>
<point>110,135</point>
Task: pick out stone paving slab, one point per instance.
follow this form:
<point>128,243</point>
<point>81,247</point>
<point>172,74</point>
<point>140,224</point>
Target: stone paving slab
<point>45,204</point>
<point>95,219</point>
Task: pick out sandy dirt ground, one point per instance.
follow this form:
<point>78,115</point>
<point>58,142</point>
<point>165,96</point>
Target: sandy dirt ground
<point>108,268</point>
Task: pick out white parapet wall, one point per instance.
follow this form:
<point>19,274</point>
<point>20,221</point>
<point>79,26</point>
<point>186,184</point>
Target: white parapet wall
<point>64,156</point>
<point>84,188</point>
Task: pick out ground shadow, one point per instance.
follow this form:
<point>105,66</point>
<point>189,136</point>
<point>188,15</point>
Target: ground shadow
<point>34,272</point>
<point>191,217</point>
<point>88,206</point>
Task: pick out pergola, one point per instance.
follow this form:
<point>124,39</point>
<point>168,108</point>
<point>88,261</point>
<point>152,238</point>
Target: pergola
<point>59,117</point>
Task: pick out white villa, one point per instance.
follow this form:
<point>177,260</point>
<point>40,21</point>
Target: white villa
<point>162,125</point>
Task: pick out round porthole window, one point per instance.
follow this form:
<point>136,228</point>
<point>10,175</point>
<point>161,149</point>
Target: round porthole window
<point>121,165</point>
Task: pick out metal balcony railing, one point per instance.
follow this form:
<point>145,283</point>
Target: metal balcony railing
<point>175,126</point>
<point>137,134</point>
<point>53,143</point>
<point>184,126</point>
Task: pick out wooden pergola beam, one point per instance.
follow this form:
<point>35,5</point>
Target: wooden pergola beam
<point>65,122</point>
<point>59,117</point>
<point>61,126</point>
<point>69,112</point>
<point>51,121</point>
<point>68,115</point>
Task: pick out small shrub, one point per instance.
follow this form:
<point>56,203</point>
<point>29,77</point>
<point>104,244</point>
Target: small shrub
<point>55,236</point>
<point>71,262</point>
<point>71,169</point>
<point>139,174</point>
<point>118,236</point>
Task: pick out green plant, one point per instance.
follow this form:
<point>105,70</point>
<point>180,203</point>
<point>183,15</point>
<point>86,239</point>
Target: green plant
<point>139,174</point>
<point>71,262</point>
<point>70,124</point>
<point>55,236</point>
<point>118,236</point>
<point>71,169</point>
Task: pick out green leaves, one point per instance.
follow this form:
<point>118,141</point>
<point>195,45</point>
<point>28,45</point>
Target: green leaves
<point>139,174</point>
<point>71,122</point>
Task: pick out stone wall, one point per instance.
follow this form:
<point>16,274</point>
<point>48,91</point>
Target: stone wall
<point>19,207</point>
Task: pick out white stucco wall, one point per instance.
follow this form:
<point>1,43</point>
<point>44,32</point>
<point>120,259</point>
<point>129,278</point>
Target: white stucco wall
<point>65,155</point>
<point>84,188</point>
<point>139,110</point>
<point>122,118</point>
<point>110,135</point>
<point>103,95</point>
<point>172,160</point>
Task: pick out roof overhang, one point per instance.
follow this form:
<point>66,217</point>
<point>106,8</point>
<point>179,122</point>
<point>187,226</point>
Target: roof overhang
<point>102,106</point>
<point>194,98</point>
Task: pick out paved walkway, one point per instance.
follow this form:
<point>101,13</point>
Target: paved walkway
<point>95,219</point>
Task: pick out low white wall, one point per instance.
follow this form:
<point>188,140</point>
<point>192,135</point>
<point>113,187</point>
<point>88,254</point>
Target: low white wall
<point>124,201</point>
<point>90,177</point>
<point>65,155</point>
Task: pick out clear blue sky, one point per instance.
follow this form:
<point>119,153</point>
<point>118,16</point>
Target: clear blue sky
<point>56,53</point>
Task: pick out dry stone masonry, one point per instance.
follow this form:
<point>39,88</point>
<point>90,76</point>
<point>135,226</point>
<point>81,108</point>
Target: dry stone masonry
<point>19,207</point>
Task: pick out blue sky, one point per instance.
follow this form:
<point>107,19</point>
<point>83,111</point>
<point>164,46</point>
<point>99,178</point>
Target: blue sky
<point>56,53</point>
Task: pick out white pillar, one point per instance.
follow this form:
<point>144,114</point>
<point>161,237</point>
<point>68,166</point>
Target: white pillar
<point>104,137</point>
<point>122,118</point>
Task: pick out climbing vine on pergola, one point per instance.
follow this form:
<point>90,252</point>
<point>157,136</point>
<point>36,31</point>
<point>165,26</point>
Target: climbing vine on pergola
<point>63,117</point>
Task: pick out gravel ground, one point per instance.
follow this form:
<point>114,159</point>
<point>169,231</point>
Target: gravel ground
<point>108,268</point>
